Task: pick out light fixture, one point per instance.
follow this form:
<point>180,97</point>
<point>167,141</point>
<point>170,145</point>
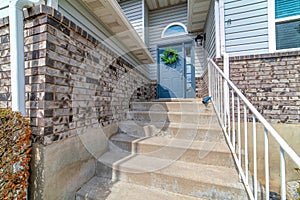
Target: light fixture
<point>199,39</point>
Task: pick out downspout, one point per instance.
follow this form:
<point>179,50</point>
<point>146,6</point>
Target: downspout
<point>217,28</point>
<point>16,33</point>
<point>222,51</point>
<point>222,26</point>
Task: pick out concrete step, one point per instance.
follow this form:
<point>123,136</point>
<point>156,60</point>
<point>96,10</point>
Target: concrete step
<point>189,131</point>
<point>104,189</point>
<point>202,152</point>
<point>104,163</point>
<point>197,180</point>
<point>196,106</point>
<point>177,100</point>
<point>175,117</point>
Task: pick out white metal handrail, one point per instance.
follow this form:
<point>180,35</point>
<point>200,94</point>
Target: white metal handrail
<point>220,88</point>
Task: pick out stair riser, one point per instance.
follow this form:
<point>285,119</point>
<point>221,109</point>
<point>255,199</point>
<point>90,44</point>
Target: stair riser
<point>188,155</point>
<point>172,153</point>
<point>171,107</point>
<point>170,117</point>
<point>199,134</point>
<point>120,146</point>
<point>182,133</point>
<point>180,185</point>
<point>103,170</point>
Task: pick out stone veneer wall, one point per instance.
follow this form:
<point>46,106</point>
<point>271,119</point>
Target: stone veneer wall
<point>202,85</point>
<point>271,82</point>
<point>74,85</point>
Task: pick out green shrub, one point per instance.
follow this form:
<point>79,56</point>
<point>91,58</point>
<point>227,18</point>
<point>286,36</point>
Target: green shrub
<point>15,149</point>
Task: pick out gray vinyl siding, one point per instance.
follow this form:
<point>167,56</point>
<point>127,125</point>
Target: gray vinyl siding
<point>200,60</point>
<point>201,53</point>
<point>81,16</point>
<point>246,26</point>
<point>133,10</point>
<point>158,20</point>
<point>210,30</point>
<point>146,23</point>
<point>4,8</point>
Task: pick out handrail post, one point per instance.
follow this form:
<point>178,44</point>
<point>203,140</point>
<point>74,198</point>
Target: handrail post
<point>226,88</point>
<point>282,174</point>
<point>267,173</point>
<point>209,78</point>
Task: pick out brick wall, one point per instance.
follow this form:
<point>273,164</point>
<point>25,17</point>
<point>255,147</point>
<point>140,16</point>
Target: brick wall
<point>202,85</point>
<point>271,82</point>
<point>73,81</point>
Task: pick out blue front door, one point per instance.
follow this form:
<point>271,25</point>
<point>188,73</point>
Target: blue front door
<point>176,80</point>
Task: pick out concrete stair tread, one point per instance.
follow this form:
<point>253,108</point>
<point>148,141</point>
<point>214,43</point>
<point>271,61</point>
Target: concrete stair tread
<point>110,157</point>
<point>104,189</point>
<point>173,103</point>
<point>190,131</point>
<point>186,125</point>
<point>124,137</point>
<point>167,100</point>
<point>182,143</point>
<point>171,113</point>
<point>188,150</point>
<point>164,141</point>
<point>214,175</point>
<point>171,116</point>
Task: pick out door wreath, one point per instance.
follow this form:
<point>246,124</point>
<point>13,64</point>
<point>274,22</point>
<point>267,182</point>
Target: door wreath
<point>169,56</point>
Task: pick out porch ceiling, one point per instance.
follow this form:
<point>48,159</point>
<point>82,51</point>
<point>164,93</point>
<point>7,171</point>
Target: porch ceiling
<point>197,13</point>
<point>157,4</point>
<point>113,18</point>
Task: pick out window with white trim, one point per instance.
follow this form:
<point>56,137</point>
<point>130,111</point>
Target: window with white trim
<point>174,29</point>
<point>287,24</point>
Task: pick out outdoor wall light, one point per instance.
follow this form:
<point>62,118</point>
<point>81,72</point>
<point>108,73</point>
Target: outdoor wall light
<point>199,39</point>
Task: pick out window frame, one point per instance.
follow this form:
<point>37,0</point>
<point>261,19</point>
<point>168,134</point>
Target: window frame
<point>176,34</point>
<point>272,28</point>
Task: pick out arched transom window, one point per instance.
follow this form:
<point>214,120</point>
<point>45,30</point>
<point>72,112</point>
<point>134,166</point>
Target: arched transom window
<point>174,29</point>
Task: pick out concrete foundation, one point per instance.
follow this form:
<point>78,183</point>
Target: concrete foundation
<point>58,170</point>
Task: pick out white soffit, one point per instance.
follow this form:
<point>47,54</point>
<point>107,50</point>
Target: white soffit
<point>197,13</point>
<point>157,4</point>
<point>113,18</point>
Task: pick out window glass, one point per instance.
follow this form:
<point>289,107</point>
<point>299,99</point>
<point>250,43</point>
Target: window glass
<point>173,30</point>
<point>287,8</point>
<point>287,24</point>
<point>188,55</point>
<point>188,69</point>
<point>288,35</point>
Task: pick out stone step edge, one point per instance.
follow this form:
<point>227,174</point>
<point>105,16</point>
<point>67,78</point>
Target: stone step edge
<point>183,125</point>
<point>196,103</point>
<point>190,144</point>
<point>171,113</point>
<point>177,100</point>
